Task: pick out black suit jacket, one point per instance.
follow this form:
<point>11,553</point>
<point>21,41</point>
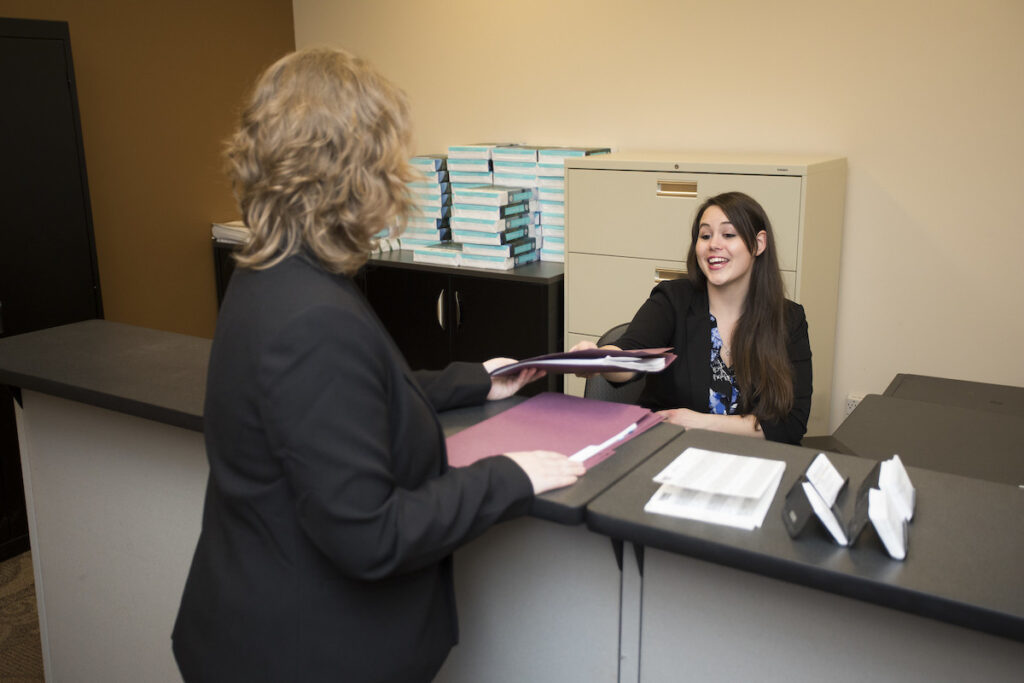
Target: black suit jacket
<point>677,315</point>
<point>330,513</point>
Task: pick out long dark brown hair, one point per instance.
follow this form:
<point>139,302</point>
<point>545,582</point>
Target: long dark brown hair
<point>763,370</point>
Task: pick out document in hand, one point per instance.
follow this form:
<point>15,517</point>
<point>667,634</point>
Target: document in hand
<point>595,360</point>
<point>721,488</point>
<point>585,429</point>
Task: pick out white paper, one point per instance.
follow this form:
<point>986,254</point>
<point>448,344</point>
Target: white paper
<point>720,473</point>
<point>825,478</point>
<point>824,513</point>
<point>888,522</point>
<point>621,362</point>
<point>894,480</point>
<point>587,452</point>
<point>704,468</point>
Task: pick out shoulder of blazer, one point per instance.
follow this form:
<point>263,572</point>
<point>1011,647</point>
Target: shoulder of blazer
<point>683,296</point>
<point>795,315</point>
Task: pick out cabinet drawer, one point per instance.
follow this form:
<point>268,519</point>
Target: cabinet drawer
<point>621,213</point>
<point>607,290</point>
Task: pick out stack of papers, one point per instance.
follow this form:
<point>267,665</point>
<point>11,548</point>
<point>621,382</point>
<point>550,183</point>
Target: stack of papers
<point>234,232</point>
<point>595,360</point>
<point>721,488</point>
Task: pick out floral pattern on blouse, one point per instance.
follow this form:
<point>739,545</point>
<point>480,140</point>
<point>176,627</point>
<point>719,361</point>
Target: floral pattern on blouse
<point>724,395</point>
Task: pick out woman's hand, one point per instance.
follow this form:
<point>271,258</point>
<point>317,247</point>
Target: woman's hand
<point>744,425</point>
<point>684,417</point>
<point>508,385</point>
<point>621,376</point>
<point>548,470</point>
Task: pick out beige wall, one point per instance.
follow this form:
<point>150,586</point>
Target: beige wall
<point>159,86</point>
<point>923,97</point>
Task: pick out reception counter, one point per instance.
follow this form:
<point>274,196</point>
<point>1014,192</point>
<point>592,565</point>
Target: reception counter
<point>587,588</point>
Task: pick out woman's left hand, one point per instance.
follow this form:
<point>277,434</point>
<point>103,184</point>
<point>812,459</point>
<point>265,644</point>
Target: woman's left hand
<point>507,385</point>
<point>684,417</point>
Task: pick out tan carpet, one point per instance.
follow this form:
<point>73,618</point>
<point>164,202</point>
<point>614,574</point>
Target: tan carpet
<point>21,657</point>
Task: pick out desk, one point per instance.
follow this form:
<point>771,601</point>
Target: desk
<point>998,398</point>
<point>726,604</point>
<point>110,420</point>
<point>985,444</point>
<point>541,601</point>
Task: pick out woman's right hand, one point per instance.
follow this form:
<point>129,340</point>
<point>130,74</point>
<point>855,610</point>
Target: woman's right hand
<point>582,346</point>
<point>547,470</point>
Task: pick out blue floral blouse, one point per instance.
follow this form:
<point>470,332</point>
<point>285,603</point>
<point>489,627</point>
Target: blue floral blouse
<point>724,394</point>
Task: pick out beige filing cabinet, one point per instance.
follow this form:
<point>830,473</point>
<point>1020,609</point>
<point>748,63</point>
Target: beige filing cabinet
<point>628,218</point>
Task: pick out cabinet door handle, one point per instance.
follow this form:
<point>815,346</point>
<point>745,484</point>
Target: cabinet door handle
<point>666,274</point>
<point>458,310</point>
<point>440,309</point>
<point>677,188</point>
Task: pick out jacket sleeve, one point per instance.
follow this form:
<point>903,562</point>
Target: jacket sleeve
<point>326,406</point>
<point>792,428</point>
<point>458,385</point>
<point>653,324</point>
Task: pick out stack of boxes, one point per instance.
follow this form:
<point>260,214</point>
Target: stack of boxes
<point>551,196</point>
<point>492,224</point>
<point>428,222</point>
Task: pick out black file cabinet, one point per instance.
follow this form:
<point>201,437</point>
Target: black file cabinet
<point>438,314</point>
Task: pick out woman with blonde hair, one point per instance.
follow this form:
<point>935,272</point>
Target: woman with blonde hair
<point>330,513</point>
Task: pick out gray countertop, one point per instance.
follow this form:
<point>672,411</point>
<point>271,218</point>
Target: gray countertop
<point>134,370</point>
<point>964,554</point>
<point>965,550</point>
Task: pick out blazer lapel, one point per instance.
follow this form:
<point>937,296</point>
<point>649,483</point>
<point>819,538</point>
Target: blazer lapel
<point>698,350</point>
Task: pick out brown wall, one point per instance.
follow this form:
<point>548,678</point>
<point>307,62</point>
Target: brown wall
<point>159,88</point>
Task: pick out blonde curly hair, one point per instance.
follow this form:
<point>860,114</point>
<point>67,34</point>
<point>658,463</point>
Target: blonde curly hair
<point>320,160</point>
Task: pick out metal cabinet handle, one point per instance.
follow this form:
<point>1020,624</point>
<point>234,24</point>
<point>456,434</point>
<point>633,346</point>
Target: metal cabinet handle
<point>458,310</point>
<point>677,188</point>
<point>666,274</point>
<point>440,309</point>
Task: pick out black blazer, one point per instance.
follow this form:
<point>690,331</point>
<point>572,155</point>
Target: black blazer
<point>677,315</point>
<point>330,514</point>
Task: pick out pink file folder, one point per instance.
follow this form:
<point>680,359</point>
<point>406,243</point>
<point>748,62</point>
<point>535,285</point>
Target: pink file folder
<point>552,422</point>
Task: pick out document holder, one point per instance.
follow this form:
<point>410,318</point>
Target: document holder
<point>799,507</point>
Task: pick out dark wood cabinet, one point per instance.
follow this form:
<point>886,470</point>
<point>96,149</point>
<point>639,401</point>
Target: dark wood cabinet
<point>438,314</point>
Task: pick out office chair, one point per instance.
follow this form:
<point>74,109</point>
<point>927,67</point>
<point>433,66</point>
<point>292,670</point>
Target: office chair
<point>599,388</point>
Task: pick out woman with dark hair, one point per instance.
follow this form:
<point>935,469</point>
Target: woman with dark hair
<point>744,362</point>
<point>331,514</point>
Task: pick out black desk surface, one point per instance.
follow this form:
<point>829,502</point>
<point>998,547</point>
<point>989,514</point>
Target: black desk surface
<point>134,370</point>
<point>947,438</point>
<point>161,376</point>
<point>998,398</point>
<point>568,505</point>
<point>964,554</point>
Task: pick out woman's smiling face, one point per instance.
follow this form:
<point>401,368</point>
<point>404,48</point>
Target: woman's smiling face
<point>721,252</point>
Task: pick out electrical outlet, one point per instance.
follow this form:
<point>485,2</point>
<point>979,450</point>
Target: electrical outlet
<point>852,400</point>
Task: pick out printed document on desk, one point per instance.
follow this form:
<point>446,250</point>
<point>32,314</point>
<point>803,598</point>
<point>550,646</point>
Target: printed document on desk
<point>721,488</point>
<point>585,429</point>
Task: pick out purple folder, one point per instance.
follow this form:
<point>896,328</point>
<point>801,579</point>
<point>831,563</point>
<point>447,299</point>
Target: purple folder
<point>556,363</point>
<point>553,422</point>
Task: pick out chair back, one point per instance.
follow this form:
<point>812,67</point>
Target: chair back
<point>599,388</point>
